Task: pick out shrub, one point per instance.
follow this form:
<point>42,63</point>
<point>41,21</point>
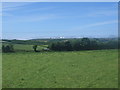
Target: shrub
<point>7,48</point>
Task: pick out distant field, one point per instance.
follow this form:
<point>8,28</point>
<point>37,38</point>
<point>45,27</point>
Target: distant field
<point>24,47</point>
<point>28,47</point>
<point>82,69</point>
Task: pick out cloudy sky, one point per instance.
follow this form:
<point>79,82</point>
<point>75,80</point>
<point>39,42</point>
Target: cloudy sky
<point>61,19</point>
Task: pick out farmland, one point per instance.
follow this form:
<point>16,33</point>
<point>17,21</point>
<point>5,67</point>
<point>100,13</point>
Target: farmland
<point>73,69</point>
<point>23,47</point>
<point>59,45</point>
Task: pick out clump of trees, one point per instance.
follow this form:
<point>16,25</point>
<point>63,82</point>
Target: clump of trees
<point>61,46</point>
<point>83,44</point>
<point>7,48</point>
<point>35,48</point>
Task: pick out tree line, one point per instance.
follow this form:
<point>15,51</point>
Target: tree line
<point>7,48</point>
<point>83,44</point>
<point>73,45</point>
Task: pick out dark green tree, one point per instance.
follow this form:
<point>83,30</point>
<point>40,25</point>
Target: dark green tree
<point>3,48</point>
<point>35,48</point>
<point>68,46</point>
<point>85,43</point>
<point>76,46</point>
<point>7,48</point>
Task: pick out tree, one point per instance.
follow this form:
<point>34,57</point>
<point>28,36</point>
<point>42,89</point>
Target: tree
<point>52,46</point>
<point>11,48</point>
<point>35,48</point>
<point>85,42</point>
<point>68,46</point>
<point>93,45</point>
<point>8,48</point>
<point>3,48</point>
<point>76,46</point>
<point>58,46</point>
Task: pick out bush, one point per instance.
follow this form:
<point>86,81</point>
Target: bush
<point>83,44</point>
<point>35,48</point>
<point>7,48</point>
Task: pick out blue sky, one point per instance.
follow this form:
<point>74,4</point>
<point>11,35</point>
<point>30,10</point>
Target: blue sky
<point>60,19</point>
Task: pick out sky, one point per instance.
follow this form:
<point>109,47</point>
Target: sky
<point>30,20</point>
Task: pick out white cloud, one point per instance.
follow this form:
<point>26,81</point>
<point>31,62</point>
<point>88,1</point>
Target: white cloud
<point>30,18</point>
<point>101,23</point>
<point>9,6</point>
<point>103,13</point>
<point>20,5</point>
<point>13,5</point>
<point>97,24</point>
<point>40,9</point>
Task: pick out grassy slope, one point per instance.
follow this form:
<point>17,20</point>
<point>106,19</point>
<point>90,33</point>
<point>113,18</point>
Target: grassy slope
<point>23,47</point>
<point>83,69</point>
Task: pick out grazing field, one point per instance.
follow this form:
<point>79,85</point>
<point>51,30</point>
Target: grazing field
<point>20,47</point>
<point>75,69</point>
<point>24,47</point>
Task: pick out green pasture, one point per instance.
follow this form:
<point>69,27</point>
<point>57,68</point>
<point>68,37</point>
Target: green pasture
<point>24,47</point>
<point>75,69</point>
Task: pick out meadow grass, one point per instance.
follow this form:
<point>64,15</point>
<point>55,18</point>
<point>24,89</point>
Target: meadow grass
<point>21,47</point>
<point>75,69</point>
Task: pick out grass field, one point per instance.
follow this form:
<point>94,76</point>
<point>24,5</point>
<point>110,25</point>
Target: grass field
<point>23,47</point>
<point>28,47</point>
<point>82,69</point>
